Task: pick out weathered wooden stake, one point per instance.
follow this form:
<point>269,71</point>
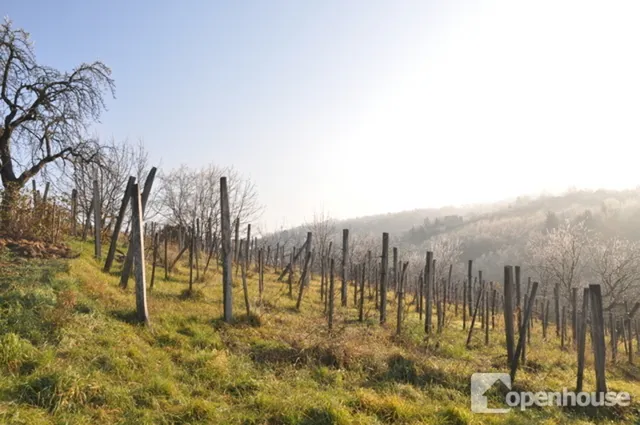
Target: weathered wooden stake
<point>383,277</point>
<point>137,250</point>
<point>227,254</point>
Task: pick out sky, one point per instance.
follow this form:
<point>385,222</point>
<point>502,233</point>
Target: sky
<point>359,107</point>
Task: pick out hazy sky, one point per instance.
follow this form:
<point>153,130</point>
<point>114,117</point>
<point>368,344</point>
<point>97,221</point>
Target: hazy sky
<point>362,106</point>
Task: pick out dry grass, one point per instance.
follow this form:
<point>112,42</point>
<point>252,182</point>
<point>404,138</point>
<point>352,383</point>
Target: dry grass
<point>71,353</point>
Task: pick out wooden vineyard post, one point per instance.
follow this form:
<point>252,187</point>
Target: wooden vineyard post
<point>291,270</point>
<point>486,313</point>
<point>303,278</point>
<point>247,250</point>
<point>118,225</point>
<point>97,221</point>
<point>400,289</point>
<point>574,316</point>
<point>582,337</point>
<point>236,245</point>
<point>345,251</point>
<point>137,250</point>
<point>74,212</point>
<point>508,311</point>
<point>428,279</point>
<point>493,307</point>
<point>518,297</point>
<point>361,306</point>
<point>597,337</point>
<point>260,276</point>
<point>128,261</point>
<point>227,254</point>
<point>420,295</point>
<point>628,319</point>
<point>309,252</point>
<point>192,242</point>
<point>563,330</point>
<point>155,256</point>
<point>464,305</point>
<point>166,255</point>
<point>475,312</point>
<point>556,297</point>
<point>470,287</point>
<point>245,287</point>
<point>521,339</point>
<point>383,277</point>
<point>527,329</point>
<point>331,294</point>
<point>396,275</point>
<point>614,337</point>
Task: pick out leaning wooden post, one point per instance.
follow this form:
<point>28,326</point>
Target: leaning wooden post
<point>303,278</point>
<point>97,220</point>
<point>522,339</point>
<point>137,249</point>
<point>227,254</point>
<point>582,337</point>
<point>475,312</point>
<point>345,252</point>
<point>597,337</point>
<point>118,225</point>
<point>508,311</point>
<point>383,277</point>
<point>518,308</point>
<point>128,261</point>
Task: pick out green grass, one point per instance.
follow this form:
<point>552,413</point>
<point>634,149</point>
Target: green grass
<point>71,354</point>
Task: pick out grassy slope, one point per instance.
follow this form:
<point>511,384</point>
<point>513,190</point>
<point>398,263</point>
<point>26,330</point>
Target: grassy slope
<point>70,354</point>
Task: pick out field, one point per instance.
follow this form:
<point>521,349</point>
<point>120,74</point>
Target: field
<point>71,353</point>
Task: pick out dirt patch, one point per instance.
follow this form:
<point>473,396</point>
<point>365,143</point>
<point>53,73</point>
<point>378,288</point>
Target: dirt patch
<point>36,249</point>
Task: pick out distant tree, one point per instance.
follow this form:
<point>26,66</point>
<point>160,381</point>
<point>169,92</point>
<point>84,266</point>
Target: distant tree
<point>551,221</point>
<point>44,112</point>
<point>559,256</point>
<point>323,228</point>
<point>615,262</point>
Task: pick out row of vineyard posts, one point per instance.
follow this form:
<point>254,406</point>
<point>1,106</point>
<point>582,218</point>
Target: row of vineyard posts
<point>373,280</point>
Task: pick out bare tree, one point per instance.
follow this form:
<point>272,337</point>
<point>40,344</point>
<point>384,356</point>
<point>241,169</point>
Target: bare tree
<point>118,161</point>
<point>616,264</point>
<point>45,112</point>
<point>323,228</point>
<point>559,255</point>
<point>189,194</point>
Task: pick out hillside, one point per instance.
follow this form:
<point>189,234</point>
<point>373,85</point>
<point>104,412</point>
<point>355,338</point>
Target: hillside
<point>71,354</point>
<point>493,234</point>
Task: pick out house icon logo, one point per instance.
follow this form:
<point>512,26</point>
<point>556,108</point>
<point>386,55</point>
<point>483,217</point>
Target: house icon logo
<point>480,384</point>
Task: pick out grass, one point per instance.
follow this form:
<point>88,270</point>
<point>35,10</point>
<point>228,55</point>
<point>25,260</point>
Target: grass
<point>70,353</point>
